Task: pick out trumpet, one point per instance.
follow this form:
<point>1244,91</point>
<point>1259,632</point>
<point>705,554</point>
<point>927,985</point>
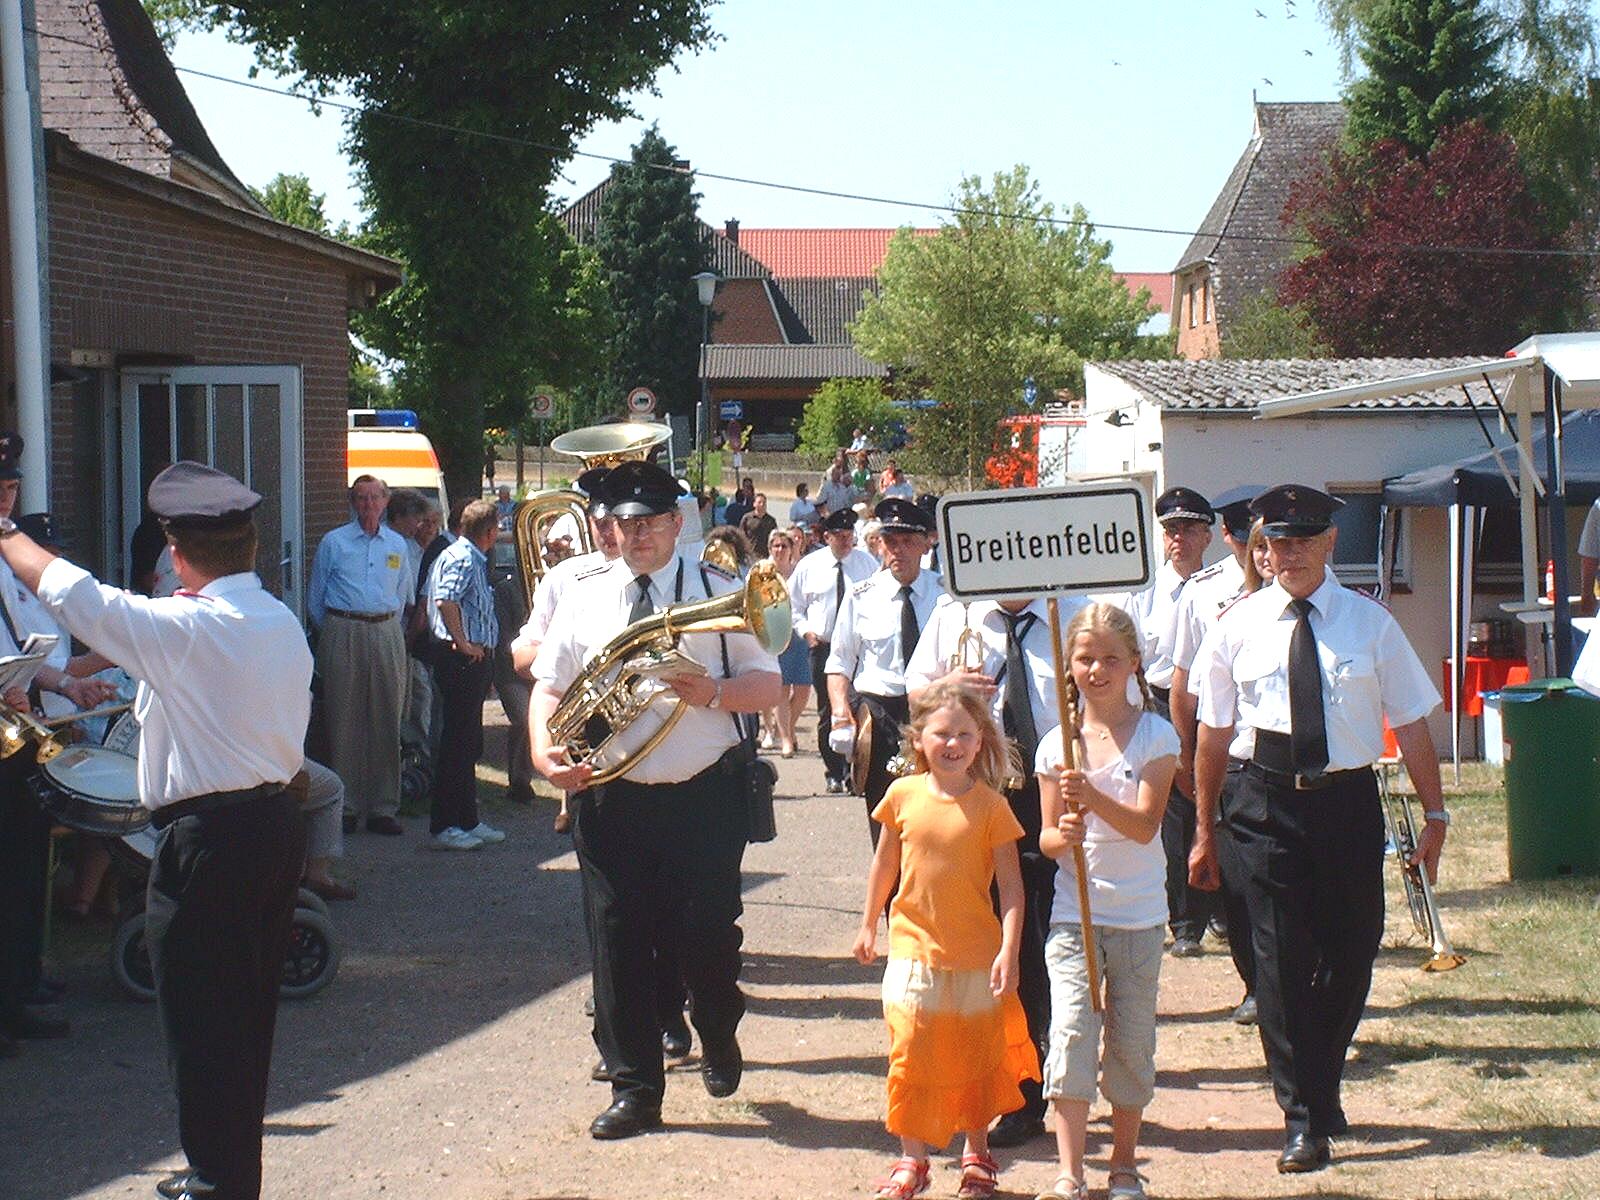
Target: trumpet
<point>18,728</point>
<point>1402,828</point>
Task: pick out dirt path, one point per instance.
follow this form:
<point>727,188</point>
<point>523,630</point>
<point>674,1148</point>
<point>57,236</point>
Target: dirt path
<point>450,1059</point>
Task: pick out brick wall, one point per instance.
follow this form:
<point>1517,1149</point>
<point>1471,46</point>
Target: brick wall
<point>131,276</point>
<point>743,314</point>
<point>1194,314</point>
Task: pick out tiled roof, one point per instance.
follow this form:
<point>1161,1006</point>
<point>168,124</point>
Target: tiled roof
<point>1234,383</point>
<point>746,362</point>
<point>820,310</point>
<point>1159,285</point>
<point>582,216</point>
<point>106,82</point>
<point>819,253</point>
<point>1289,141</point>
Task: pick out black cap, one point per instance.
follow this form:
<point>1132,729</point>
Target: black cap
<point>191,495</point>
<point>590,484</point>
<point>1184,504</point>
<point>639,489</point>
<point>1294,510</point>
<point>837,522</point>
<point>10,455</point>
<point>906,516</point>
<point>1233,506</point>
<point>43,530</point>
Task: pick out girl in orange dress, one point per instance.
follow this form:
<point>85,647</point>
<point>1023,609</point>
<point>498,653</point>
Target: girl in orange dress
<point>958,1038</point>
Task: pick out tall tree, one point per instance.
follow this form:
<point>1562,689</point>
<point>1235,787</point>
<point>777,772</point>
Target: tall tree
<point>1431,64</point>
<point>291,200</point>
<point>1003,293</point>
<point>649,244</point>
<point>467,112</point>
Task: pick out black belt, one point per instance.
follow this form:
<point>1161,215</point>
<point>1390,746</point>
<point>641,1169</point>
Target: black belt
<point>369,618</point>
<point>211,802</point>
<point>1274,762</point>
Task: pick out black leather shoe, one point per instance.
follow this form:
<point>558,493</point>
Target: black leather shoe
<point>724,1069</point>
<point>1016,1129</point>
<point>676,1043</point>
<point>174,1186</point>
<point>387,826</point>
<point>1245,1014</point>
<point>1186,947</point>
<point>600,1073</point>
<point>625,1118</point>
<point>27,1025</point>
<point>1302,1153</point>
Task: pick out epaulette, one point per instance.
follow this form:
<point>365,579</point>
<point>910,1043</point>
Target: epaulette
<point>1369,596</point>
<point>591,572</point>
<point>1230,605</point>
<point>1210,572</point>
<point>860,589</point>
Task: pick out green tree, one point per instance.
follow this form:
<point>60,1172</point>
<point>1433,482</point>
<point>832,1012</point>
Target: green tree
<point>840,407</point>
<point>649,243</point>
<point>1431,65</point>
<point>290,199</point>
<point>467,113</point>
<point>1265,328</point>
<point>1003,293</point>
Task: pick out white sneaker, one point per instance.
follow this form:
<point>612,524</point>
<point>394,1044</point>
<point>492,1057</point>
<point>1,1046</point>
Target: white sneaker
<point>486,833</point>
<point>454,839</point>
<point>766,740</point>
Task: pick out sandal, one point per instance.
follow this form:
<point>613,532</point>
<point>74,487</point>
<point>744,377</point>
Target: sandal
<point>904,1189</point>
<point>1065,1188</point>
<point>979,1175</point>
<point>1125,1191</point>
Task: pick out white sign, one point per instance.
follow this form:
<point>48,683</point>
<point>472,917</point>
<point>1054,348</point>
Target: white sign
<point>542,407</point>
<point>641,401</point>
<point>1046,541</point>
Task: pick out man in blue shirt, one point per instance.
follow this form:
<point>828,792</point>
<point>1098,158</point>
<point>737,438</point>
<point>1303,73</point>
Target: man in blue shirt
<point>464,627</point>
<point>358,590</point>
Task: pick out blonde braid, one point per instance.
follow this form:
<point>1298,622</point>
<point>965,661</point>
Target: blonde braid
<point>1144,689</point>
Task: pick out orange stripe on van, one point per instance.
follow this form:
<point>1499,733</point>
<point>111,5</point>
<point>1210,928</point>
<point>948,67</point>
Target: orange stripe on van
<point>377,459</point>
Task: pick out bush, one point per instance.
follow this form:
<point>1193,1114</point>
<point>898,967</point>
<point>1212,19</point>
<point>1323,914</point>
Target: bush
<point>840,407</point>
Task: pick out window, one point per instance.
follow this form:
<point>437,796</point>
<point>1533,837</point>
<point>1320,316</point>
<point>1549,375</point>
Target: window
<point>1355,554</point>
<point>1497,557</point>
<point>1190,296</point>
<point>1211,304</point>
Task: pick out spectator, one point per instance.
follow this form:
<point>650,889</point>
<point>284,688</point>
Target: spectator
<point>323,809</point>
<point>858,441</point>
<point>743,501</point>
<point>511,613</point>
<point>703,500</point>
<point>757,525</point>
<point>504,506</point>
<point>836,493</point>
<point>802,511</point>
<point>785,547</point>
<point>738,442</point>
<point>861,477</point>
<point>898,485</point>
<point>465,634</point>
<point>872,538</point>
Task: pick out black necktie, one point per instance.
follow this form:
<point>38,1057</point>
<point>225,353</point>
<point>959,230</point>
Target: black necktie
<point>838,586</point>
<point>1308,733</point>
<point>1016,709</point>
<point>641,603</point>
<point>908,626</point>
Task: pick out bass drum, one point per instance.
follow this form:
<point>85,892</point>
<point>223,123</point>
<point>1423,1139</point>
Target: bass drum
<point>123,735</point>
<point>93,790</point>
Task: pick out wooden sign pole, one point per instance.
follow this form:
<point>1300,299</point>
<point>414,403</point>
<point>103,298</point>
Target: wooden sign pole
<point>1069,753</point>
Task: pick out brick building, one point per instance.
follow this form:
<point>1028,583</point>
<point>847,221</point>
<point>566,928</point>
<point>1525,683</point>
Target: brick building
<point>184,321</point>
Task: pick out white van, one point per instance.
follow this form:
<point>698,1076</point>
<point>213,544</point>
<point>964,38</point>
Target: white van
<point>387,443</point>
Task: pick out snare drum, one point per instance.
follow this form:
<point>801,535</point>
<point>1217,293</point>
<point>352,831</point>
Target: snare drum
<point>93,790</point>
<point>123,735</point>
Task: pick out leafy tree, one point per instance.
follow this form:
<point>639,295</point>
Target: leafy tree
<point>840,407</point>
<point>172,17</point>
<point>1431,64</point>
<point>468,110</point>
<point>1265,328</point>
<point>1379,282</point>
<point>1003,293</point>
<point>649,243</point>
<point>290,199</point>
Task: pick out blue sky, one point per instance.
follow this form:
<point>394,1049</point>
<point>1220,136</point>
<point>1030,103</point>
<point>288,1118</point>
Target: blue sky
<point>1135,110</point>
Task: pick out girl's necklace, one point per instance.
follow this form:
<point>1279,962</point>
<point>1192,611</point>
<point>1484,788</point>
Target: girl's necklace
<point>1102,734</point>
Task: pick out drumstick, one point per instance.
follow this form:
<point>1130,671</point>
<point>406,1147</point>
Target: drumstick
<point>110,710</point>
<point>1069,752</point>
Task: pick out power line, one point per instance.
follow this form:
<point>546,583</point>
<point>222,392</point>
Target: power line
<point>561,152</point>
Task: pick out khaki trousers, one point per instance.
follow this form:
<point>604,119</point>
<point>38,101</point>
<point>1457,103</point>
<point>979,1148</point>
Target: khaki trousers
<point>363,668</point>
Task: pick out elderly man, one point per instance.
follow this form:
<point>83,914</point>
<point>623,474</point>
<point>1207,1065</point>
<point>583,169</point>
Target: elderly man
<point>359,588</point>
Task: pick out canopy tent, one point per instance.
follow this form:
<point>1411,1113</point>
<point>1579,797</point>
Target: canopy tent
<point>1488,479</point>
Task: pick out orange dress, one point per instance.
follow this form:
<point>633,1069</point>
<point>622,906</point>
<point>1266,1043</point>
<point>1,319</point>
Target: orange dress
<point>956,1053</point>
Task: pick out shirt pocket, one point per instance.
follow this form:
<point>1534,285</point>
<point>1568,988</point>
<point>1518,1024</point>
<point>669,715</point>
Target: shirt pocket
<point>1354,685</point>
<point>879,631</point>
<point>1262,679</point>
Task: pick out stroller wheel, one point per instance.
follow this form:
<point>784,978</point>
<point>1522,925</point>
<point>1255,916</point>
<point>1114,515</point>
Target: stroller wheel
<point>309,899</point>
<point>313,958</point>
<point>130,961</point>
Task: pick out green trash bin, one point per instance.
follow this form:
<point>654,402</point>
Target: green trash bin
<point>1552,765</point>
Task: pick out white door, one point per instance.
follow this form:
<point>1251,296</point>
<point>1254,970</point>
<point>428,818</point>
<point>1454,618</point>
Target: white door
<point>242,420</point>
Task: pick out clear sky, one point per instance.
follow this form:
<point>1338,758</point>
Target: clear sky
<point>1136,110</point>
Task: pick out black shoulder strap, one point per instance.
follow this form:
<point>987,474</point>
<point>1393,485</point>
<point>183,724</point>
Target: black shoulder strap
<point>745,733</point>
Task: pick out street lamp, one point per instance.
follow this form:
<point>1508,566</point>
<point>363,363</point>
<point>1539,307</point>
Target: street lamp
<point>705,283</point>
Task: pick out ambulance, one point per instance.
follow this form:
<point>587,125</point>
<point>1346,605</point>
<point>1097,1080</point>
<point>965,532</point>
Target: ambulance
<point>387,443</point>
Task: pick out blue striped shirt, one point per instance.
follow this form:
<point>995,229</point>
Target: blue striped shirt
<point>461,574</point>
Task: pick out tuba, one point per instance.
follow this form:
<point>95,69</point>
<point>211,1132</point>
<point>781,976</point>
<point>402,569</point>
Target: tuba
<point>1425,917</point>
<point>594,446</point>
<point>622,682</point>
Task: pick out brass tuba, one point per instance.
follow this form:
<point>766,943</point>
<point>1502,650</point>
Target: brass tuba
<point>621,682</point>
<point>594,446</point>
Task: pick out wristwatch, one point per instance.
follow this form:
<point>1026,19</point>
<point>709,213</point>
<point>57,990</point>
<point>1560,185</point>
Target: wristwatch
<point>716,694</point>
<point>8,527</point>
<point>1441,815</point>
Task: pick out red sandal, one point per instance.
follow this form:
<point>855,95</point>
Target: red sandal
<point>980,1174</point>
<point>905,1189</point>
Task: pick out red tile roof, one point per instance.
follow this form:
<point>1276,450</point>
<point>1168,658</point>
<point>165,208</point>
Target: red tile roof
<point>1158,284</point>
<point>818,253</point>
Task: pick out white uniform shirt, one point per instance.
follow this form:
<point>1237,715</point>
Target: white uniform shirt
<point>224,678</point>
<point>814,585</point>
<point>1369,671</point>
<point>1155,612</point>
<point>548,595</point>
<point>1202,601</point>
<point>29,615</point>
<point>866,637</point>
<point>938,644</point>
<point>596,609</point>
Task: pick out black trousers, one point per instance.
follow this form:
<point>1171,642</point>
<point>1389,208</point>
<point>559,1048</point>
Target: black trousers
<point>645,849</point>
<point>1312,873</point>
<point>1231,896</point>
<point>462,685</point>
<point>1038,894</point>
<point>514,692</point>
<point>24,859</point>
<point>833,763</point>
<point>217,919</point>
<point>1188,909</point>
<point>889,714</point>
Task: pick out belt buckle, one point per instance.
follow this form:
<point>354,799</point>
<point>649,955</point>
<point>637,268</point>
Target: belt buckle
<point>1309,783</point>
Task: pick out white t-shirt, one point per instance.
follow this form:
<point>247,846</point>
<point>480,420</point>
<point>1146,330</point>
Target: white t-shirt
<point>1127,880</point>
<point>1589,539</point>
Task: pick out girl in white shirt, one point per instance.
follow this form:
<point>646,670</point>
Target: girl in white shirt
<point>1112,808</point>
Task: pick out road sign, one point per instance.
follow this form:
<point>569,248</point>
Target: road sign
<point>542,407</point>
<point>1046,541</point>
<point>731,410</point>
<point>641,402</point>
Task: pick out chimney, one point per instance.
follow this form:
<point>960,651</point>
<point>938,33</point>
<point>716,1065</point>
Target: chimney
<point>730,230</point>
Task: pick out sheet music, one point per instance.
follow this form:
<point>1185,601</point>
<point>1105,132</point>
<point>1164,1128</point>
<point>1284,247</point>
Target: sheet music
<point>18,670</point>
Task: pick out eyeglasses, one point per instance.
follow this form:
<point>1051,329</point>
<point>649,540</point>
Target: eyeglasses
<point>634,525</point>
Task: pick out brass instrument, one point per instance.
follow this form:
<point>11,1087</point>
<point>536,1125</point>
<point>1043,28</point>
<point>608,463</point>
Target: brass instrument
<point>969,655</point>
<point>608,445</point>
<point>1402,827</point>
<point>19,727</point>
<point>721,555</point>
<point>620,683</point>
